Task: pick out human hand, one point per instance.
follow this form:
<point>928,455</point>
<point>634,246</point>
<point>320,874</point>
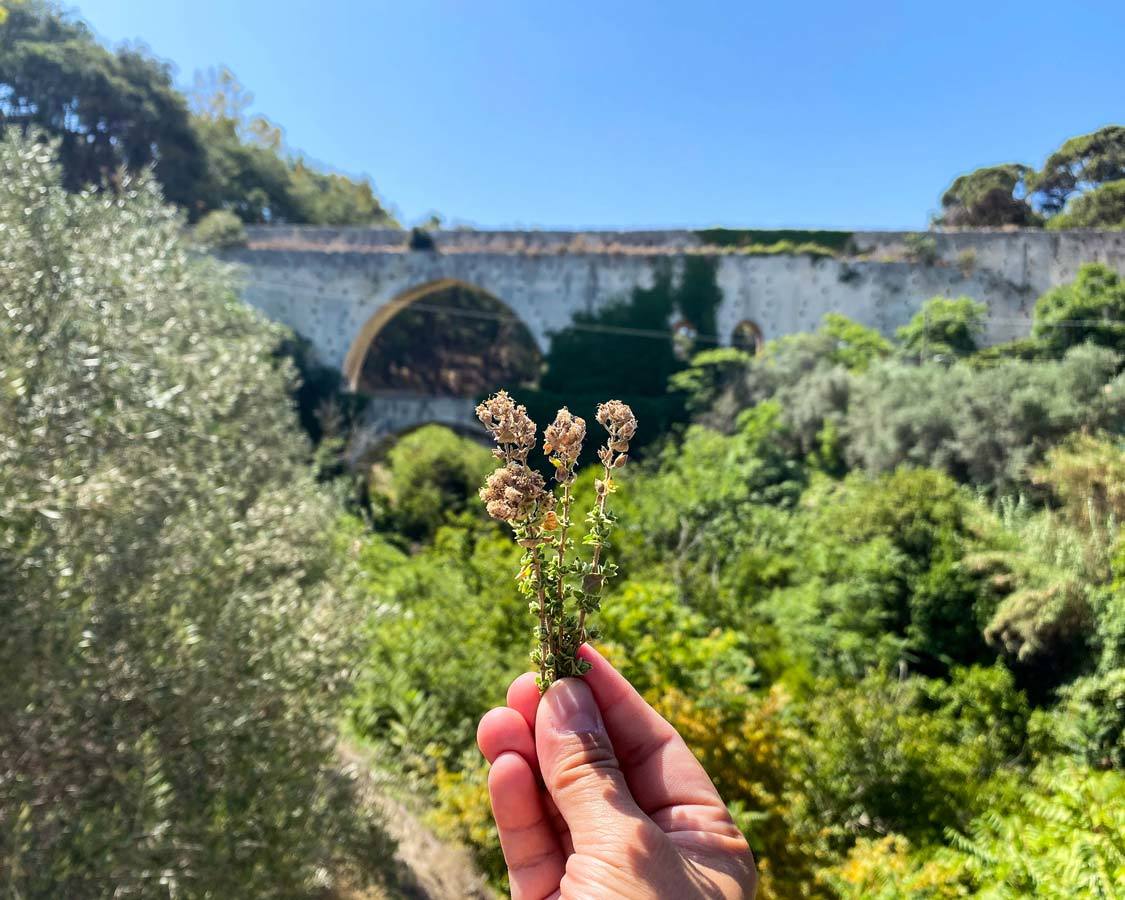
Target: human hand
<point>596,796</point>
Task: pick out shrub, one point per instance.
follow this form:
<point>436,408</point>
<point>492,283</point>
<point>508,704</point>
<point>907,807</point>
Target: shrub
<point>421,239</point>
<point>1070,821</point>
<point>988,427</point>
<point>909,757</point>
<point>429,477</point>
<point>176,633</point>
<point>856,346</point>
<point>882,578</point>
<point>920,248</point>
<point>944,327</point>
<point>445,639</point>
<point>220,229</point>
<point>1089,309</point>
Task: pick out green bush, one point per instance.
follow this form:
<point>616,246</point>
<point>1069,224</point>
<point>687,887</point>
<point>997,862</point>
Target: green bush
<point>1070,821</point>
<point>429,476</point>
<point>988,427</point>
<point>1091,309</point>
<point>944,327</point>
<point>910,757</point>
<point>1102,207</point>
<point>220,229</point>
<point>447,637</point>
<point>177,622</point>
<point>881,575</point>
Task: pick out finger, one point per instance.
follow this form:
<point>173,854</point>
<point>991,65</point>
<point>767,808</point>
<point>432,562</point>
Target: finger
<point>663,775</point>
<point>562,830</point>
<point>582,774</point>
<point>523,697</point>
<point>531,851</point>
<point>503,730</point>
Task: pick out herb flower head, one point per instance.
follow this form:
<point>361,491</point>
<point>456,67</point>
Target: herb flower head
<point>562,587</point>
<point>618,419</point>
<point>509,425</point>
<point>512,492</point>
<point>562,440</point>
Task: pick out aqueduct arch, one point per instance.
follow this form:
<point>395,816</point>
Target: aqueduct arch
<point>446,300</point>
<point>430,352</point>
<point>340,287</point>
<point>747,335</point>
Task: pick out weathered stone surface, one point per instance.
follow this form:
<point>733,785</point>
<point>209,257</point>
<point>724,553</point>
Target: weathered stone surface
<point>338,286</point>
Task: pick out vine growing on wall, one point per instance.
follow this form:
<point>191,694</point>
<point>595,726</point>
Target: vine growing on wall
<point>629,348</point>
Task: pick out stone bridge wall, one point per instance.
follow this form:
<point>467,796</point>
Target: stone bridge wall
<point>327,283</point>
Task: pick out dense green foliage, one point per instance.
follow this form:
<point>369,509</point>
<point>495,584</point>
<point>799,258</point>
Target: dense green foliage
<point>1082,162</point>
<point>1081,185</point>
<point>944,328</point>
<point>1090,309</point>
<point>108,109</point>
<point>986,197</point>
<point>220,229</point>
<point>1101,207</point>
<point>114,109</point>
<point>625,350</point>
<point>179,621</point>
<point>879,589</point>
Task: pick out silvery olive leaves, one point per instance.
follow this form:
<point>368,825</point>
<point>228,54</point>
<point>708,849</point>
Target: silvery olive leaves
<point>561,586</point>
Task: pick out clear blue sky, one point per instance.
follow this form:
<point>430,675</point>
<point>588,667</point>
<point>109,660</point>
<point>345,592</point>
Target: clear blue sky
<point>506,113</point>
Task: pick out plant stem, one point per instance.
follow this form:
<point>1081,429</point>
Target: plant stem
<point>537,569</point>
<point>596,562</point>
<point>564,523</point>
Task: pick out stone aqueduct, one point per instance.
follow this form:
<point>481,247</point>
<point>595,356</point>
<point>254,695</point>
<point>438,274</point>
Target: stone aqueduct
<point>338,287</point>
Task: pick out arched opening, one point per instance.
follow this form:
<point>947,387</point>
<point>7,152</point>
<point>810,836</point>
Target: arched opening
<point>443,339</point>
<point>748,336</point>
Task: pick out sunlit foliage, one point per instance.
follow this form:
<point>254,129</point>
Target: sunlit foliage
<point>178,623</point>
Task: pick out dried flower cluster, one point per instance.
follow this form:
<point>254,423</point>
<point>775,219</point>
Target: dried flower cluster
<point>563,588</point>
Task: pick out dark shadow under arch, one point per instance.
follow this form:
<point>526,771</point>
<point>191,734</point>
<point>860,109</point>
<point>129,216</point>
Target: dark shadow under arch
<point>748,336</point>
<point>443,339</point>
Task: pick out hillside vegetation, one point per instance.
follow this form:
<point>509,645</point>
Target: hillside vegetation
<point>877,584</point>
<point>179,606</point>
<point>115,109</point>
<point>879,587</point>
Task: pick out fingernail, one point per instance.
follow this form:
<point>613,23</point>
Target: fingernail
<point>572,708</point>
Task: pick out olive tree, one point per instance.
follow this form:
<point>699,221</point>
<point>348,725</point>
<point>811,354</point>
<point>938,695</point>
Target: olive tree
<point>175,638</point>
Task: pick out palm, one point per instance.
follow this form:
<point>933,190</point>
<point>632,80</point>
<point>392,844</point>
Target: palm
<point>609,804</point>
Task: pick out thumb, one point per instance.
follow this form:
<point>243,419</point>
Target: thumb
<point>581,771</point>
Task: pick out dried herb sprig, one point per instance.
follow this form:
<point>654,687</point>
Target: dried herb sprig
<point>562,588</point>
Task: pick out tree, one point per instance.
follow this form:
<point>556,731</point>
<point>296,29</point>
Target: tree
<point>115,109</point>
<point>1079,165</point>
<point>986,427</point>
<point>1101,207</point>
<point>108,109</point>
<point>857,346</point>
<point>431,475</point>
<point>1091,309</point>
<point>944,327</point>
<point>249,172</point>
<point>988,197</point>
<point>178,622</point>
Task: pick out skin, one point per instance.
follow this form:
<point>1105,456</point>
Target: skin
<point>596,796</point>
